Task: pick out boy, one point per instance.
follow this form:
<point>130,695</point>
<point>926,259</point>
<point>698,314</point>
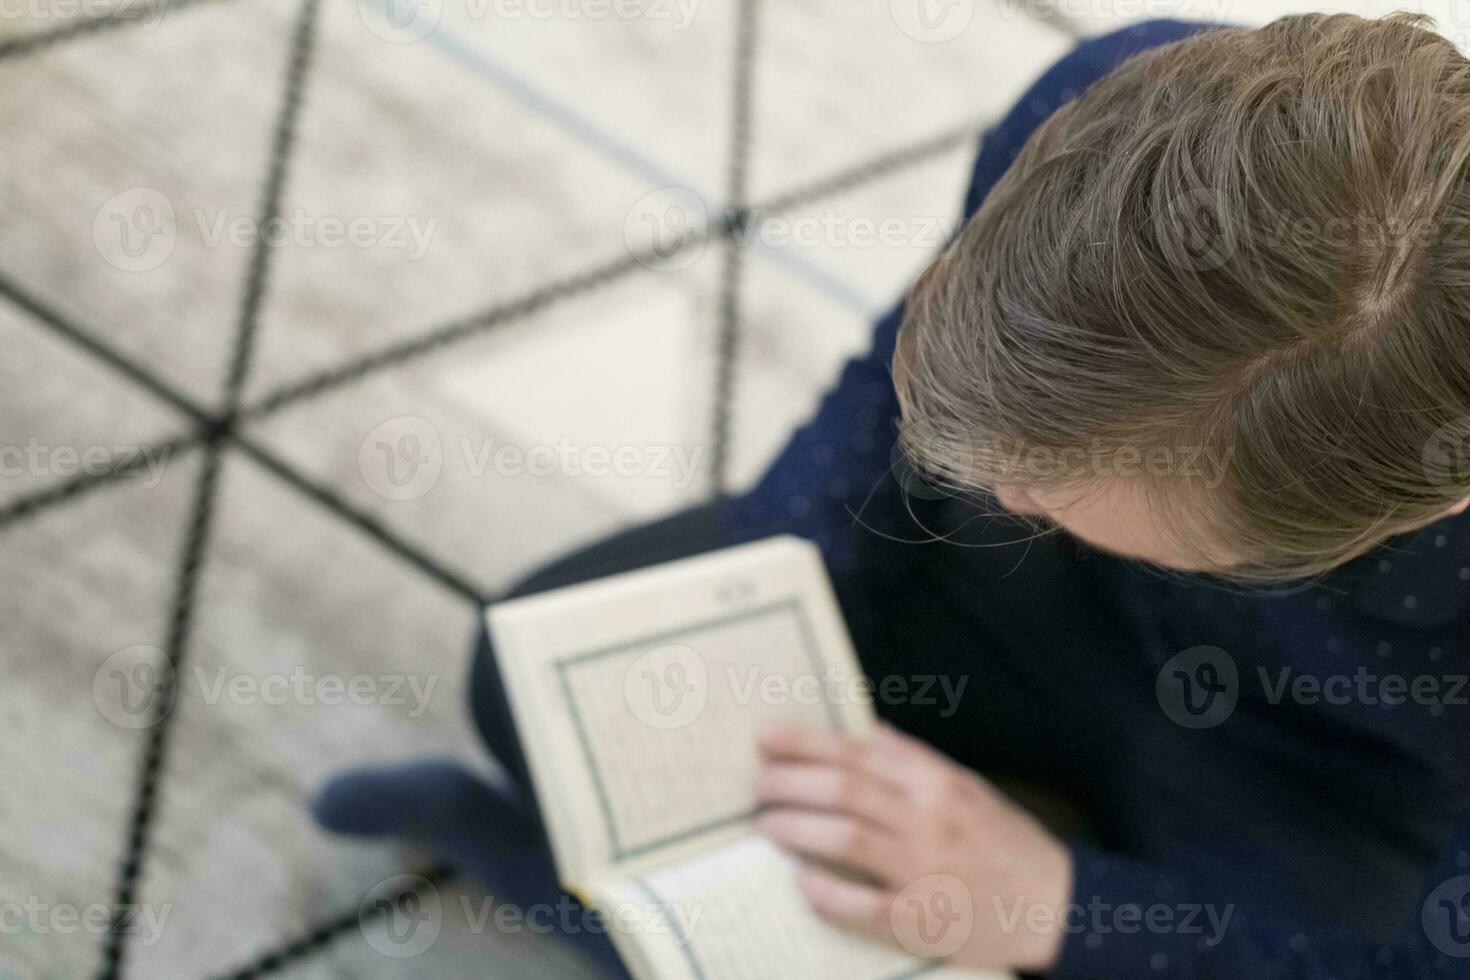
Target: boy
<point>1208,315</point>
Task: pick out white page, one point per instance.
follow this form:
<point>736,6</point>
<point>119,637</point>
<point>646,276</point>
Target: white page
<point>669,723</point>
<point>735,913</point>
<point>638,697</point>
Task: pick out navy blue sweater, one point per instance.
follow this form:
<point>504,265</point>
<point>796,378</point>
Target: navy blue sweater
<point>1289,761</point>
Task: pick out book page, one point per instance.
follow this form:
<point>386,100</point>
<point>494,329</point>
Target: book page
<point>734,913</point>
<point>667,723</point>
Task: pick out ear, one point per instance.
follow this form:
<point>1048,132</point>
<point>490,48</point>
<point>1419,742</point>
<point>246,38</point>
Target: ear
<point>1458,508</point>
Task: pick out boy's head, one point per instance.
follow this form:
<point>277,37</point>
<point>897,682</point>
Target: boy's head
<point>1217,312</point>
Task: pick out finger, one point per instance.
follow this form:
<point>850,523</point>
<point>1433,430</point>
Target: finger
<point>851,904</point>
<point>835,788</point>
<point>806,744</point>
<point>922,771</point>
<point>833,837</point>
<point>825,747</point>
<point>900,743</point>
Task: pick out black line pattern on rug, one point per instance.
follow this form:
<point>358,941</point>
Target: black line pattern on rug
<point>214,433</point>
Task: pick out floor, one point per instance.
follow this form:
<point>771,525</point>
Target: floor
<point>293,459</point>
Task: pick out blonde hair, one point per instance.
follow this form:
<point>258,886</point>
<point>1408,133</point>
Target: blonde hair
<point>1251,245</point>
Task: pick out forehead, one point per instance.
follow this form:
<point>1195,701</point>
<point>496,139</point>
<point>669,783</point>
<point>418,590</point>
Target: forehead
<point>1119,515</point>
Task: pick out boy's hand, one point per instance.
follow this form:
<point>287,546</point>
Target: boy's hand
<point>952,867</point>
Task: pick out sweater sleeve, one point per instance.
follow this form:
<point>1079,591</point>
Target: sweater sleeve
<point>1127,919</point>
<point>817,484</point>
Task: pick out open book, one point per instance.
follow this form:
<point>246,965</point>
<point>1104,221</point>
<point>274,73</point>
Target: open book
<point>638,698</point>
